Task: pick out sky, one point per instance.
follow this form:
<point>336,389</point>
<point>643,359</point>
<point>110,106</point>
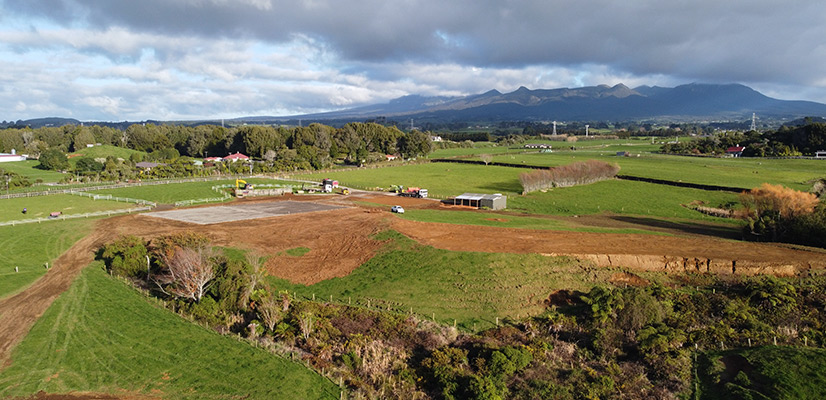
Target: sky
<point>116,60</point>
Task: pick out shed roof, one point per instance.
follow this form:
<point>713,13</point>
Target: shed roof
<point>479,196</point>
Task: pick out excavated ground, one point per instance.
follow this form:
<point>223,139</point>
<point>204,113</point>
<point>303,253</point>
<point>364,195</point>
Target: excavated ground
<point>340,240</point>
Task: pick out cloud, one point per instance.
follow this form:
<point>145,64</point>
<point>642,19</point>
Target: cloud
<point>250,56</point>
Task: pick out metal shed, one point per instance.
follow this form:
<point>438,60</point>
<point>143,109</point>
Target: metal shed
<point>492,201</point>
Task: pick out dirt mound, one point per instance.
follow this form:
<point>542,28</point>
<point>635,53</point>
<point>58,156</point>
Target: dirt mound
<point>564,297</point>
<point>41,395</point>
<point>629,279</point>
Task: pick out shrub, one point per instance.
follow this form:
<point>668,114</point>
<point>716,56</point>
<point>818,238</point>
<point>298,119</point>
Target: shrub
<point>772,210</point>
<point>126,256</point>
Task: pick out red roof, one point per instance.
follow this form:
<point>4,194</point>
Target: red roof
<point>735,149</point>
<point>236,156</point>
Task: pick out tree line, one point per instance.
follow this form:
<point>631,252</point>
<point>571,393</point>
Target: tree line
<point>784,142</point>
<point>315,146</point>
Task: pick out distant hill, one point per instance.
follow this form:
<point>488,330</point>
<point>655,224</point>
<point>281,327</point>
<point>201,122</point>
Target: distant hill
<point>42,122</point>
<point>686,102</point>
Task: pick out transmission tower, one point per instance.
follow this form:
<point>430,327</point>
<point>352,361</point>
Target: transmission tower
<point>554,128</point>
<point>753,121</point>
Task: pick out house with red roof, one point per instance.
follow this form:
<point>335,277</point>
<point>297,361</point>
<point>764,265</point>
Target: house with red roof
<point>735,151</point>
<point>236,157</point>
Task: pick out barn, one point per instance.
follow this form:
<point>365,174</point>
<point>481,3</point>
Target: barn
<point>491,201</point>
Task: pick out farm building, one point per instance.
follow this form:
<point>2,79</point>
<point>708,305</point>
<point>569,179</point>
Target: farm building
<point>735,151</point>
<point>492,201</point>
<point>5,157</point>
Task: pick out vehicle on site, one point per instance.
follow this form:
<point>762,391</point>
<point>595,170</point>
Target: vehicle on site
<point>414,192</point>
<point>242,188</point>
<point>397,209</point>
<point>242,184</point>
<point>327,185</point>
<point>396,188</point>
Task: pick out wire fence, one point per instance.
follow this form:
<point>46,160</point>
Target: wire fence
<point>118,185</point>
<point>64,217</point>
<point>114,198</point>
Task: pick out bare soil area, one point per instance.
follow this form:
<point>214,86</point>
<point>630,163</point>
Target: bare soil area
<point>83,396</point>
<point>340,240</point>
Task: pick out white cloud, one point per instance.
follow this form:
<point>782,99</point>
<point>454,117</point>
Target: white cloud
<point>98,59</point>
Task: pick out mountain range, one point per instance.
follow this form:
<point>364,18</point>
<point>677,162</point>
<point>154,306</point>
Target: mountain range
<point>691,102</point>
<point>686,102</point>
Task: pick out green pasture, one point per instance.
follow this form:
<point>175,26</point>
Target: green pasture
<point>173,192</point>
<point>105,151</point>
<point>169,193</point>
<point>743,173</point>
<point>102,336</point>
<point>500,220</point>
<point>472,288</point>
<point>622,197</point>
<point>30,246</point>
<point>42,206</point>
<point>768,372</point>
<point>478,148</point>
<point>27,169</point>
<point>440,179</point>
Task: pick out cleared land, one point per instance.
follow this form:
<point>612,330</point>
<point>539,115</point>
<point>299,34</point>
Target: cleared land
<point>241,212</point>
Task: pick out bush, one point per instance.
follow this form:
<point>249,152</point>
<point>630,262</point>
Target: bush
<point>126,256</point>
<point>53,159</point>
<point>771,211</point>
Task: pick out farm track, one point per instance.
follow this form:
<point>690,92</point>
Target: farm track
<point>341,240</point>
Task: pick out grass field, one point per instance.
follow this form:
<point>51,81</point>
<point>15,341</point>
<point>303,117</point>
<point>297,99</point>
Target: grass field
<point>441,180</point>
<point>30,246</point>
<point>171,193</point>
<point>621,197</point>
<point>743,173</point>
<point>27,169</point>
<point>504,221</point>
<point>42,206</point>
<point>771,372</point>
<point>102,336</point>
<point>472,288</point>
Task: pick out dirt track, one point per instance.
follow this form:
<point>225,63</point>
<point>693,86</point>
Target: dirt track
<point>339,241</point>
